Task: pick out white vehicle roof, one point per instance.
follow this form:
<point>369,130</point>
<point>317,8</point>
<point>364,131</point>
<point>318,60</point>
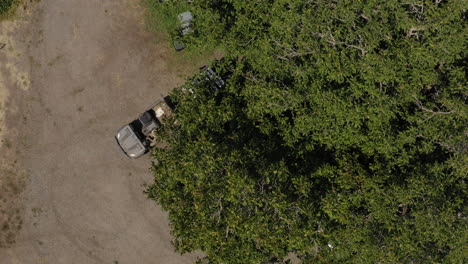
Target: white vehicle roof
<point>130,143</point>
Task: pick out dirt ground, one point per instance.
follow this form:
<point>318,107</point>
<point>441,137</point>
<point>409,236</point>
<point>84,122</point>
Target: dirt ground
<point>71,74</point>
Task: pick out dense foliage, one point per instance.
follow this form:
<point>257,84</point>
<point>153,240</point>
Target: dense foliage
<point>6,5</point>
<point>341,134</point>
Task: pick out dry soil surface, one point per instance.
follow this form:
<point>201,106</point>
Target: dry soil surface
<point>71,74</point>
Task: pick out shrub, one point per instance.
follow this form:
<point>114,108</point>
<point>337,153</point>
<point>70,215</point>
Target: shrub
<point>6,5</point>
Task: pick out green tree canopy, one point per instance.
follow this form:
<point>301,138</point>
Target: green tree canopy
<point>6,5</point>
<point>341,134</point>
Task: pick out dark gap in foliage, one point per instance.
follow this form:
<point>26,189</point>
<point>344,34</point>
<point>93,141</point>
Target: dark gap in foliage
<point>399,123</point>
<point>382,46</point>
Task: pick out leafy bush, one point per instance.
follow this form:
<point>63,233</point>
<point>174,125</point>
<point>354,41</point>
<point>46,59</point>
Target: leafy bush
<point>163,18</point>
<point>6,5</point>
<point>341,135</point>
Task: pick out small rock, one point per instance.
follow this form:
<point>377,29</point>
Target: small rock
<point>178,46</point>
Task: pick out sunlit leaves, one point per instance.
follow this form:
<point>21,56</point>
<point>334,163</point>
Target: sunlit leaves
<point>340,136</point>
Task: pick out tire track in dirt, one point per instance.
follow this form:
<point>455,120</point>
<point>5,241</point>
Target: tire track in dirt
<point>92,67</point>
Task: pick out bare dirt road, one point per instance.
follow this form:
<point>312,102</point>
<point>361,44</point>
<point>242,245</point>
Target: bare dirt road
<point>71,73</point>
